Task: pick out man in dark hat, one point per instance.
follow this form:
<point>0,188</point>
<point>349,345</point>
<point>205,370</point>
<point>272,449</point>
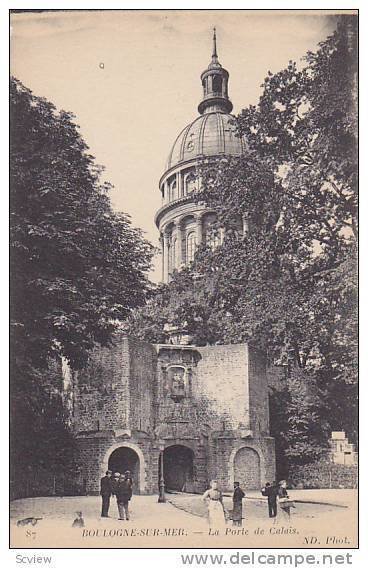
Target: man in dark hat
<point>105,492</point>
<point>271,492</point>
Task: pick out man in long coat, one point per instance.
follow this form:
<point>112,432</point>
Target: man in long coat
<point>238,497</point>
<point>106,493</point>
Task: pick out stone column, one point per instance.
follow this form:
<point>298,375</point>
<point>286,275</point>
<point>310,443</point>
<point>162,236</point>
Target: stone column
<point>199,231</point>
<point>179,245</point>
<point>166,257</point>
<point>178,185</point>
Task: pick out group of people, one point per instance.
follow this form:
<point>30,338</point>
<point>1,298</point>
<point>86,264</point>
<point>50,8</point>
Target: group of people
<point>120,485</point>
<point>276,495</point>
<point>216,510</point>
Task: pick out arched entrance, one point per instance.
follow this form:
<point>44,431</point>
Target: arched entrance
<point>123,459</point>
<point>178,468</point>
<point>247,468</point>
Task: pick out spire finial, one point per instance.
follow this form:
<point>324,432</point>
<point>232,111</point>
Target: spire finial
<point>214,80</point>
<point>214,52</point>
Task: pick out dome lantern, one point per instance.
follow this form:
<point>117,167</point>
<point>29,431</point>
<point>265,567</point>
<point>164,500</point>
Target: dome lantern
<point>215,86</point>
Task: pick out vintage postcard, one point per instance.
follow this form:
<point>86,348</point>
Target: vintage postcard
<point>183,211</point>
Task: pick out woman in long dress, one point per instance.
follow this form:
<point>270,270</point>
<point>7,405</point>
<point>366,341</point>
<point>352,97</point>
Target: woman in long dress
<point>216,513</point>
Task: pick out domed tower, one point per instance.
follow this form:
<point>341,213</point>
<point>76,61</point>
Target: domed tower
<point>183,223</point>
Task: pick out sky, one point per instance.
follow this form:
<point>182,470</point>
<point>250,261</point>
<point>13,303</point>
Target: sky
<point>131,78</point>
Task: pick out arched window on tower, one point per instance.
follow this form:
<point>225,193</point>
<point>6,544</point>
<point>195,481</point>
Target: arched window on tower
<point>190,183</point>
<point>173,190</point>
<point>191,246</point>
<point>217,84</point>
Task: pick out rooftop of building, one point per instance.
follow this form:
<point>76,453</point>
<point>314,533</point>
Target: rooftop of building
<point>214,132</point>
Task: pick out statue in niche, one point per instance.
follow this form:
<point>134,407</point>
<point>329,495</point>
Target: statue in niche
<point>177,384</point>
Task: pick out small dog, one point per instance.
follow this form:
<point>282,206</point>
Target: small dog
<point>28,521</point>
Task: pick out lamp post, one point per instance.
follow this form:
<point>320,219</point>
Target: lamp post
<point>161,484</point>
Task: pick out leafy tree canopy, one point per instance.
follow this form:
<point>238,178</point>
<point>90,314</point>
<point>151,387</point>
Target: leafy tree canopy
<point>77,266</point>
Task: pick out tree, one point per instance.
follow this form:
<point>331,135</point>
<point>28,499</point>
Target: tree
<point>77,267</point>
<point>289,284</point>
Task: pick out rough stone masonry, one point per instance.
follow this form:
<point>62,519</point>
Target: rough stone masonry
<point>202,410</point>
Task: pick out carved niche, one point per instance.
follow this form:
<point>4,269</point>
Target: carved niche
<point>178,382</point>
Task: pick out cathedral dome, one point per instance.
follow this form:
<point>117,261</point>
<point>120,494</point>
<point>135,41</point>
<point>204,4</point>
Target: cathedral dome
<point>184,222</point>
<point>211,134</point>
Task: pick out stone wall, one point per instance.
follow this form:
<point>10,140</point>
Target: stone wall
<point>222,390</point>
<point>115,390</point>
<point>258,393</point>
<point>142,376</point>
<point>101,391</point>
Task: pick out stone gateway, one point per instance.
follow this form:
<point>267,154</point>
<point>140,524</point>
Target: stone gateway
<point>130,411</point>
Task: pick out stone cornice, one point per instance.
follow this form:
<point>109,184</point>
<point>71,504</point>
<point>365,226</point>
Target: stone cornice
<point>169,206</point>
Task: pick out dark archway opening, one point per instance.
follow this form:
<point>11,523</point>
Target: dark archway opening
<point>178,468</point>
<point>123,459</point>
